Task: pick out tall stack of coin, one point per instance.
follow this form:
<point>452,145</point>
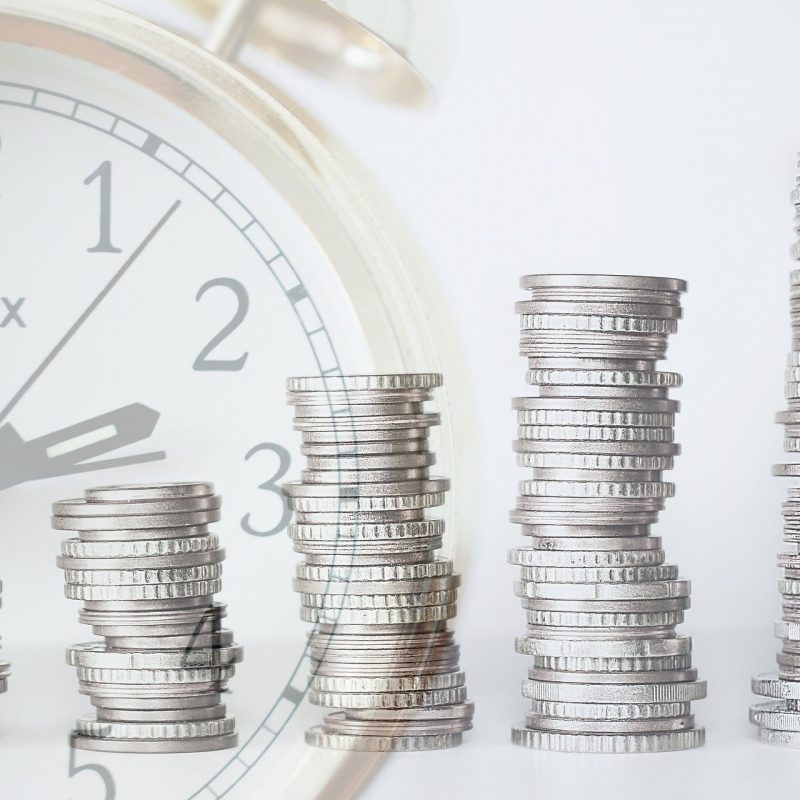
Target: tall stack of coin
<point>5,667</point>
<point>380,599</point>
<point>778,719</point>
<point>146,567</point>
<point>609,672</point>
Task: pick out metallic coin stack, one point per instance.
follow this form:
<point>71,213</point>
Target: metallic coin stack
<point>381,650</point>
<point>778,719</point>
<point>5,667</point>
<point>609,672</point>
<point>146,567</point>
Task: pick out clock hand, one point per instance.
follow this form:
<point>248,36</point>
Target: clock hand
<point>66,452</point>
<point>62,343</point>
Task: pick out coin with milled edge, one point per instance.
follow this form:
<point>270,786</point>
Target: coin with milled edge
<point>370,578</point>
<point>608,743</point>
<point>146,567</point>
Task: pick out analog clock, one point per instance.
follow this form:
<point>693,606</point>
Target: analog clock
<point>174,243</point>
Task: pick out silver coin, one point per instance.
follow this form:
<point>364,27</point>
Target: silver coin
<point>78,550</point>
<point>447,583</point>
<point>145,491</point>
<point>618,678</point>
<point>529,558</point>
<point>597,308</point>
<point>148,677</point>
<point>528,455</point>
<point>141,522</point>
<point>155,704</point>
<point>605,648</point>
<point>142,535</point>
<point>382,685</point>
<point>345,411</point>
<point>464,710</point>
<point>633,283</point>
<point>376,425</point>
<point>401,572</point>
<point>157,694</point>
<point>318,737</point>
<point>340,723</point>
<point>602,377</point>
<point>558,691</point>
<point>610,665</point>
<point>364,383</point>
<point>608,743</point>
<point>95,654</point>
<point>379,616</point>
<point>424,529</point>
<point>199,745</point>
<point>332,477</point>
<point>358,450</point>
<point>609,712</point>
<point>82,508</point>
<point>783,738</point>
<point>379,601</point>
<point>156,591</point>
<point>180,560</point>
<point>132,577</point>
<point>582,726</point>
<point>622,543</point>
<point>161,715</point>
<point>604,591</point>
<point>420,699</point>
<point>571,433</point>
<point>579,619</point>
<point>90,726</point>
<point>366,504</point>
<point>600,575</point>
<point>596,405</point>
<point>187,641</point>
<point>606,606</point>
<point>357,491</point>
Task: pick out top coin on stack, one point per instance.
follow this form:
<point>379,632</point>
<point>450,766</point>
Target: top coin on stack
<point>370,579</point>
<point>147,566</point>
<point>609,673</point>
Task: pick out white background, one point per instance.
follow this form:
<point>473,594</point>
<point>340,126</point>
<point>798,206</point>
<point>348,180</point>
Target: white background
<point>634,137</point>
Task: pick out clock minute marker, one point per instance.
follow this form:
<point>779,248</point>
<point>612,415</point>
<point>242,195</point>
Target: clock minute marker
<point>76,326</point>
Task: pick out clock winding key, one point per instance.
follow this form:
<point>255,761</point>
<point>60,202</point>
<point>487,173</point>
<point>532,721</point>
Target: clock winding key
<point>146,567</point>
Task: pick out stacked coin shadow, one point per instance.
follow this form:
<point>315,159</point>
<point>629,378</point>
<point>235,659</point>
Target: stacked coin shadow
<point>146,567</point>
<point>778,719</point>
<point>609,673</point>
<point>381,649</point>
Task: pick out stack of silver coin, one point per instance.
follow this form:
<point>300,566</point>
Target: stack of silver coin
<point>380,599</point>
<point>146,567</point>
<point>5,667</point>
<point>778,719</point>
<point>609,672</point>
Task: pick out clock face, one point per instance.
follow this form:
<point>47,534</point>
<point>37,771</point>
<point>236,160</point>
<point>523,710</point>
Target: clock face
<point>155,293</point>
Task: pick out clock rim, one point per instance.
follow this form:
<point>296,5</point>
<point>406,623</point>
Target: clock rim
<point>404,333</point>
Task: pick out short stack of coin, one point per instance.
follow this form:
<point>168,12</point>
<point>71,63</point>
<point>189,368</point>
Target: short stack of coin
<point>609,672</point>
<point>380,599</point>
<point>5,667</point>
<point>778,719</point>
<point>146,567</point>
